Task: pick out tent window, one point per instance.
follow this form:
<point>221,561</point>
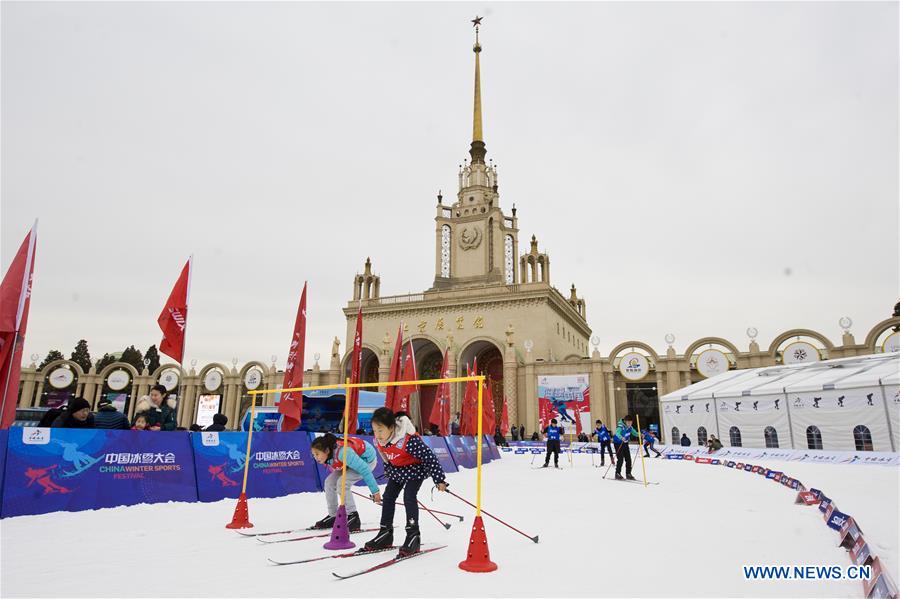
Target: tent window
<point>813,437</point>
<point>676,436</point>
<point>862,437</point>
<point>734,434</point>
<point>771,437</point>
<point>701,436</point>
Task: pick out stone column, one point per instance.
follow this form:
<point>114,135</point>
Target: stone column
<point>28,381</point>
<point>510,370</point>
<point>611,398</point>
<point>529,402</point>
<point>599,409</point>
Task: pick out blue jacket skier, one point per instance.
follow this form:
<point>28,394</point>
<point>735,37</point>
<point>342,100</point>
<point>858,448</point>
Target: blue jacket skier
<point>624,432</point>
<point>605,439</point>
<point>554,433</point>
<point>649,440</point>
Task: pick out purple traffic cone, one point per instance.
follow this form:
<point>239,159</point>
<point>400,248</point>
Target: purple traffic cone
<point>340,533</point>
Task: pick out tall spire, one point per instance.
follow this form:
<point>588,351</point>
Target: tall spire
<point>477,151</point>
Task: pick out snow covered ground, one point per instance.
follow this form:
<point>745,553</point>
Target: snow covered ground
<point>686,537</point>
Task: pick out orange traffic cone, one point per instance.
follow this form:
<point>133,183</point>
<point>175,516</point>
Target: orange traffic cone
<point>241,518</point>
<point>479,556</point>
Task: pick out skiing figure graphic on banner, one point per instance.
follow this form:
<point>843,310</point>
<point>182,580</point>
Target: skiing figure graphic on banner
<point>566,398</point>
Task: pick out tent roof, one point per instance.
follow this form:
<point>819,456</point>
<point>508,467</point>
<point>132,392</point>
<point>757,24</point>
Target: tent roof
<point>843,373</point>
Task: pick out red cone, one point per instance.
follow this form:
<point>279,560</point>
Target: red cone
<point>241,518</point>
<point>479,557</point>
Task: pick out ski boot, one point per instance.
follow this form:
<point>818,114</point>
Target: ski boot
<point>545,465</point>
<point>353,522</point>
<point>619,476</point>
<point>556,466</point>
<point>383,540</point>
<point>413,541</point>
<point>324,523</point>
<point>629,477</point>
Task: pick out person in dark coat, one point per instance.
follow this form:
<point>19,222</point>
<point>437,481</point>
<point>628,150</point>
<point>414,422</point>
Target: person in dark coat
<point>535,436</point>
<point>51,415</point>
<point>522,432</point>
<point>76,415</point>
<point>685,441</point>
<point>219,422</point>
<point>499,439</point>
<point>159,409</point>
<point>108,417</point>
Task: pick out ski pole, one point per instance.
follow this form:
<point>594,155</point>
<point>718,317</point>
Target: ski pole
<point>612,462</point>
<point>423,507</point>
<point>534,538</point>
<point>433,515</point>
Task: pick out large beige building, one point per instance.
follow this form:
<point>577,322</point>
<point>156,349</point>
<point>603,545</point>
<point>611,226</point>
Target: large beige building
<point>491,301</point>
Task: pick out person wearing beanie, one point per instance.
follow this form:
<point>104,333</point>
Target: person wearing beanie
<point>553,433</point>
<point>76,415</point>
<point>219,422</point>
<point>108,417</point>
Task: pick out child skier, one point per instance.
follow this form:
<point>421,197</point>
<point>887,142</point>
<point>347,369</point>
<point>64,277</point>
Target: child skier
<point>649,440</point>
<point>361,460</point>
<point>603,436</point>
<point>554,434</point>
<point>623,435</point>
<point>407,463</point>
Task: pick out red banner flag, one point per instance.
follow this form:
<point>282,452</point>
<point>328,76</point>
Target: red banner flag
<point>353,396</point>
<point>468,423</point>
<point>440,410</point>
<point>401,401</point>
<point>504,418</point>
<point>173,318</point>
<point>291,403</point>
<point>15,300</point>
<point>394,374</point>
<point>489,417</point>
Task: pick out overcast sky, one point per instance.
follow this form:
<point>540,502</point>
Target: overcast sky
<point>692,168</point>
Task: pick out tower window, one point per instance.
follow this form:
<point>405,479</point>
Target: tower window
<point>471,199</point>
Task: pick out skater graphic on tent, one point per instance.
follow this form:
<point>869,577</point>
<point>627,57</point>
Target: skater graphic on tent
<point>42,477</point>
<point>756,406</point>
<point>691,410</point>
<point>707,407</point>
<point>777,401</point>
<point>840,401</point>
<point>218,472</point>
<point>869,398</point>
<point>678,409</point>
<point>80,460</point>
<point>737,406</point>
<point>816,401</point>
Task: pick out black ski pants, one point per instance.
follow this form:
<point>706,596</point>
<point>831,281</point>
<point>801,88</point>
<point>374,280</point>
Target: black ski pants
<point>552,447</point>
<point>623,452</point>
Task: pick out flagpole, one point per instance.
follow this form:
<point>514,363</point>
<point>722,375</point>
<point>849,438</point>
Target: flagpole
<point>23,295</point>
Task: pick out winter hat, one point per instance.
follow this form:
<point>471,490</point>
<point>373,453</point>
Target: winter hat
<point>104,401</point>
<point>220,419</point>
<point>78,403</point>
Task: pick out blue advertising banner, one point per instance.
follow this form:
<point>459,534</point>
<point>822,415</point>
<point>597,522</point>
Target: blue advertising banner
<point>49,470</point>
<point>280,464</point>
<point>486,454</point>
<point>461,454</point>
<point>378,472</point>
<point>492,446</point>
<point>837,519</point>
<point>4,434</point>
<point>442,451</point>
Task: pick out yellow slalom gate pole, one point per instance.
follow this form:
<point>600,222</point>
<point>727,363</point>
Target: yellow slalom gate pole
<point>343,457</point>
<point>249,440</point>
<point>640,446</point>
<point>478,451</point>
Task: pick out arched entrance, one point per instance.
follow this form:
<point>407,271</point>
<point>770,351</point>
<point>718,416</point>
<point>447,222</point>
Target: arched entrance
<point>429,359</point>
<point>368,367</point>
<point>490,363</point>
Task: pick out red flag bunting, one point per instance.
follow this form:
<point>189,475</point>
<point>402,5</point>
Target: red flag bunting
<point>15,301</point>
<point>489,417</point>
<point>291,403</point>
<point>173,318</point>
<point>353,397</point>
<point>440,410</point>
<point>401,401</point>
<point>468,424</point>
<point>394,374</point>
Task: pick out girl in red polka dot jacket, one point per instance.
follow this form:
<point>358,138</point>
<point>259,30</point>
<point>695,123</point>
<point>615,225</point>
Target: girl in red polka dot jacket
<point>407,463</point>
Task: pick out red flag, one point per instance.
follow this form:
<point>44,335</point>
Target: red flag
<point>15,300</point>
<point>401,401</point>
<point>394,375</point>
<point>468,422</point>
<point>440,410</point>
<point>504,418</point>
<point>173,318</point>
<point>353,397</point>
<point>489,417</point>
<point>291,403</point>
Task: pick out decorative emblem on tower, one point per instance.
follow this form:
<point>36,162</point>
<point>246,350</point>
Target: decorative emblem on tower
<point>470,238</point>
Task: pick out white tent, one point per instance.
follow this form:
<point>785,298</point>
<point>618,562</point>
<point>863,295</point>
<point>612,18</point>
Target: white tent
<point>845,404</point>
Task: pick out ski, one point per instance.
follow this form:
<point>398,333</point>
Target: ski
<point>387,563</point>
<point>316,559</point>
<point>272,532</point>
<point>307,537</point>
<point>640,482</point>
